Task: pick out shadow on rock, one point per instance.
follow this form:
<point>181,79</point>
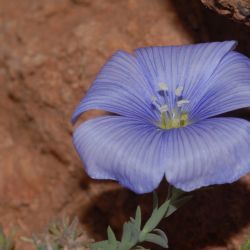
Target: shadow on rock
<point>211,218</point>
<point>205,26</point>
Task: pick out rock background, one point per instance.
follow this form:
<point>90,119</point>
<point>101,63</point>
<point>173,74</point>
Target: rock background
<point>238,10</point>
<point>50,51</point>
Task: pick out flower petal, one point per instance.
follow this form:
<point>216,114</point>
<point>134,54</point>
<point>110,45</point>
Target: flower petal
<point>122,149</point>
<point>188,66</point>
<point>119,88</point>
<point>212,151</point>
<point>229,88</point>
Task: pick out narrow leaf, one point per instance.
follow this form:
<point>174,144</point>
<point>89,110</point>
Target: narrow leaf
<point>156,217</point>
<point>101,245</point>
<point>183,200</point>
<point>111,236</point>
<point>155,200</point>
<point>156,239</point>
<point>138,218</point>
<point>170,210</point>
<point>177,203</point>
<point>126,233</point>
<point>176,193</point>
<point>161,233</point>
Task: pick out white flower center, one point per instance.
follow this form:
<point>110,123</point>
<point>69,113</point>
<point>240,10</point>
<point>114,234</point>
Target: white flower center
<point>174,117</point>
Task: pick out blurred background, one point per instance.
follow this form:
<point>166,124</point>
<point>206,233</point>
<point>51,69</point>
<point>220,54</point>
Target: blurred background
<point>50,52</point>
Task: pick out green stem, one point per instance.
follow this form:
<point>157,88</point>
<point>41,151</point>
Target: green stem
<point>132,233</point>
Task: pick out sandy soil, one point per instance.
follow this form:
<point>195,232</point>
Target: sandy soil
<point>50,51</point>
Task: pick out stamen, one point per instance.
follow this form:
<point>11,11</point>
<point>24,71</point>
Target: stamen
<point>184,120</point>
<point>164,108</point>
<point>163,86</point>
<point>178,91</point>
<point>153,99</point>
<point>182,102</point>
<point>170,117</point>
<point>155,102</point>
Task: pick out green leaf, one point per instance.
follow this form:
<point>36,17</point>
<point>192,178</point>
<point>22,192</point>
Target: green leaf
<point>161,233</point>
<point>176,193</point>
<point>155,201</point>
<point>177,203</point>
<point>110,244</point>
<point>156,217</point>
<point>126,233</point>
<point>131,230</point>
<point>111,236</point>
<point>157,239</point>
<point>170,210</point>
<point>101,245</point>
<point>137,221</point>
<point>132,233</point>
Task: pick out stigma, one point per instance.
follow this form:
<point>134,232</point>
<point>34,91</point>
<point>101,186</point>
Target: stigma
<point>171,116</point>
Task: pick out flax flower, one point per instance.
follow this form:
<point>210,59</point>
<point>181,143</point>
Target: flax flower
<point>168,103</point>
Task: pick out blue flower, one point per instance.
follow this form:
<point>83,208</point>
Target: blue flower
<point>167,101</point>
